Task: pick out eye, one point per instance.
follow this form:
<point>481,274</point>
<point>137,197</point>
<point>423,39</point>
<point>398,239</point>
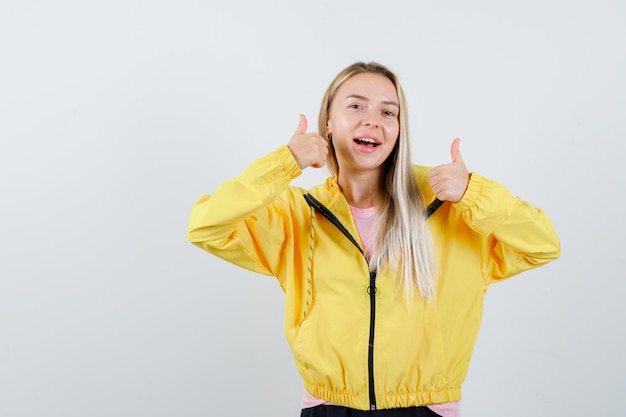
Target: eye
<point>356,106</point>
<point>389,113</point>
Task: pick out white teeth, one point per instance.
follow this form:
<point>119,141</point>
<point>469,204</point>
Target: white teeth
<point>368,140</point>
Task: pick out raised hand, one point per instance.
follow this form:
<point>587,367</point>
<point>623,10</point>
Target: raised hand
<point>309,149</point>
<point>449,181</point>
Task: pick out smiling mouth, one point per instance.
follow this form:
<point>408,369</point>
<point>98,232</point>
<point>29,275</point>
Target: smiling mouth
<point>367,142</point>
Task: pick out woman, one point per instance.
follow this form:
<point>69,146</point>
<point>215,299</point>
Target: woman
<point>383,297</point>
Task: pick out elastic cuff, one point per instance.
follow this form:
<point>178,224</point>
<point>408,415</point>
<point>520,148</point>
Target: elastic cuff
<point>473,192</point>
<point>288,161</point>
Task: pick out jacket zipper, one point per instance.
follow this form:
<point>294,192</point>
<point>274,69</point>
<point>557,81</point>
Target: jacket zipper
<point>319,207</point>
<point>371,289</point>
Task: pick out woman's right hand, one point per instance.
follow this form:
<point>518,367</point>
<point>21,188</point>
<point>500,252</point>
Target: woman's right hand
<point>309,149</point>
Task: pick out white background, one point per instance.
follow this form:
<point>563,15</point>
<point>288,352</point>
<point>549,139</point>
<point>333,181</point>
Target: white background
<point>116,116</point>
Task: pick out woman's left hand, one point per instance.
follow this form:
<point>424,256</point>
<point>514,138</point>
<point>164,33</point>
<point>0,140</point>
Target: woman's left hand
<point>449,181</point>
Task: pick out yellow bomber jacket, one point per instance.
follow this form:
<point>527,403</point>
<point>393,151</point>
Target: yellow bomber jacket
<point>359,342</point>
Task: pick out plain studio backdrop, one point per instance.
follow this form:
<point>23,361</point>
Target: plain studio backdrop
<point>116,116</point>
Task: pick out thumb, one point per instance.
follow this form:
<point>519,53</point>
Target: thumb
<point>302,125</point>
<point>455,152</point>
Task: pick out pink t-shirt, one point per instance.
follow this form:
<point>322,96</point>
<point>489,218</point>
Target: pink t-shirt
<point>364,219</point>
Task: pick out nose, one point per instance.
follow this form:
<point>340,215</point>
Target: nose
<point>371,119</point>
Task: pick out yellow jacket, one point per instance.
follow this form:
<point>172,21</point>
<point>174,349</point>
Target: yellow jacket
<point>421,350</point>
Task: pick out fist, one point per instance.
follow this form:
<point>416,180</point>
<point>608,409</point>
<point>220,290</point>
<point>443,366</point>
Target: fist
<point>449,181</point>
<point>309,149</point>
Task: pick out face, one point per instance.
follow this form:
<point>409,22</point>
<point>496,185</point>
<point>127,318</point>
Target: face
<point>363,120</point>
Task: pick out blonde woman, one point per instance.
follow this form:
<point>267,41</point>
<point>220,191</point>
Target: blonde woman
<point>385,265</point>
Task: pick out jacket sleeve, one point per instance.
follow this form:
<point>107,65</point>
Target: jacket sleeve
<point>517,236</point>
<point>245,222</point>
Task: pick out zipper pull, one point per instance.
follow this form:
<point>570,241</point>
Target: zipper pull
<point>371,290</point>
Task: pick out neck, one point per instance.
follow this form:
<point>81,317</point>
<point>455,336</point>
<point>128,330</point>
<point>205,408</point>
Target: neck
<point>362,190</point>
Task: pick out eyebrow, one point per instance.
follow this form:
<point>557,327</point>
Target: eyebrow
<point>393,103</point>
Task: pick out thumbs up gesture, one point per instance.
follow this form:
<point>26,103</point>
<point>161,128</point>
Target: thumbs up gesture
<point>449,181</point>
<point>309,149</point>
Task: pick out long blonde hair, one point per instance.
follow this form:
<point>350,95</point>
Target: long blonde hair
<point>403,239</point>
